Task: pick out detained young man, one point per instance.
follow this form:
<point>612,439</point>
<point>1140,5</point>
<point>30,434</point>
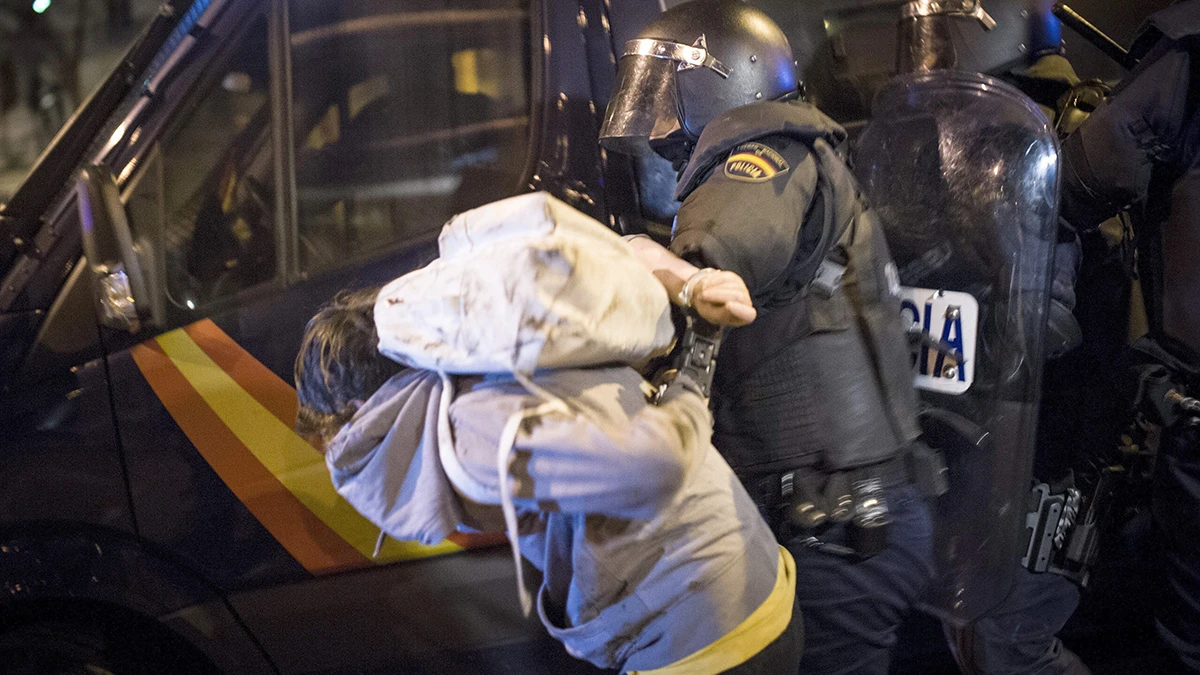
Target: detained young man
<point>653,557</point>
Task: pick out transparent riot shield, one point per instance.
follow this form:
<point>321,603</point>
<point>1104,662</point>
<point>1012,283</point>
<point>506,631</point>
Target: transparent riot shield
<point>963,171</point>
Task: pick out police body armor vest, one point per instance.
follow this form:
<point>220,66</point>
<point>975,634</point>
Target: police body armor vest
<point>823,378</point>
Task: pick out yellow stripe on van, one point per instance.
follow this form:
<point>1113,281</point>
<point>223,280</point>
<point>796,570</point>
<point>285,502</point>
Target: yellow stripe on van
<point>298,466</point>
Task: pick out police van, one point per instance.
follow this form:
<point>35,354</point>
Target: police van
<point>245,161</point>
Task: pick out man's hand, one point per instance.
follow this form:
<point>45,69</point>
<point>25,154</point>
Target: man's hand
<point>722,298</point>
<point>719,297</point>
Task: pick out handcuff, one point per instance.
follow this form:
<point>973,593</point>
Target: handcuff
<point>696,354</point>
<point>686,294</point>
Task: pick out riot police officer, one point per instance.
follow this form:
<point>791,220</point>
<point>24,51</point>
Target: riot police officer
<point>813,402</point>
<point>1143,147</point>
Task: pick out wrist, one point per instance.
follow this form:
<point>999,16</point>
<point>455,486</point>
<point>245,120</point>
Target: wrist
<point>687,295</point>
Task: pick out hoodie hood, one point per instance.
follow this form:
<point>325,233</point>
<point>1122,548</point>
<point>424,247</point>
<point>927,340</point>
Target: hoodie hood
<point>385,461</point>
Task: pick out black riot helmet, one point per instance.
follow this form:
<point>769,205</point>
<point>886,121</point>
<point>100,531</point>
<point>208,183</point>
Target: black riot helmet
<point>696,61</point>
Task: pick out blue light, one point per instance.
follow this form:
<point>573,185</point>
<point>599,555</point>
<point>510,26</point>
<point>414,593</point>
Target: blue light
<point>40,6</point>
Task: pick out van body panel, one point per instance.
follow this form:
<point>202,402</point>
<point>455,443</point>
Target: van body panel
<point>60,460</point>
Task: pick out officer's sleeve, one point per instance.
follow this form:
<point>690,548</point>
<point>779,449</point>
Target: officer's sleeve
<point>1108,161</point>
<point>746,216</point>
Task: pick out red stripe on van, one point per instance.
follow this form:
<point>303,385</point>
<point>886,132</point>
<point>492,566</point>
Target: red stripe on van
<point>305,536</point>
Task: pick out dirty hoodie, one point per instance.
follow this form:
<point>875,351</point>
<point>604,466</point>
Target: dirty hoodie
<point>650,549</point>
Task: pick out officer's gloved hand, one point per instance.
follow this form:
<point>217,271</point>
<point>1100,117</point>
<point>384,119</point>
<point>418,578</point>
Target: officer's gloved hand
<point>1062,329</point>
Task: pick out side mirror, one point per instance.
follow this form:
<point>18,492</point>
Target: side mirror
<point>108,244</point>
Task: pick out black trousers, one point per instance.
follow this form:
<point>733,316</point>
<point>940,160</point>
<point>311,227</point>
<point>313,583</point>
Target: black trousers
<point>1019,636</point>
<point>1176,509</point>
<point>852,609</point>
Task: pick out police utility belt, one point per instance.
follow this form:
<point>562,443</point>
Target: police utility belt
<point>807,503</point>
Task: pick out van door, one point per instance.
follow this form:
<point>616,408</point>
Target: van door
<point>321,148</point>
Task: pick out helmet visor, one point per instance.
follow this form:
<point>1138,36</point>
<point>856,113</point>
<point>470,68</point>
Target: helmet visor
<point>643,105</point>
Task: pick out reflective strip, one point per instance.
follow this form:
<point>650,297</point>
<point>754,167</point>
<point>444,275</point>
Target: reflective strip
<point>239,416</point>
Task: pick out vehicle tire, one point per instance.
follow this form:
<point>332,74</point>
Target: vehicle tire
<point>62,647</point>
<point>54,648</point>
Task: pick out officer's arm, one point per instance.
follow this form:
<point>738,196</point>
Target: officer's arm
<point>747,216</point>
<point>1108,161</point>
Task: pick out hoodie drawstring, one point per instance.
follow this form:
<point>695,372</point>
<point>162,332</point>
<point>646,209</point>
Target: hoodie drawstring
<point>508,439</point>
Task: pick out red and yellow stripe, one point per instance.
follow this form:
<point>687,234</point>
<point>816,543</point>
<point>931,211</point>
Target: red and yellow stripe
<point>239,415</point>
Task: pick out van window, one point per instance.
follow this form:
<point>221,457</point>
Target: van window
<point>216,181</point>
<point>405,112</point>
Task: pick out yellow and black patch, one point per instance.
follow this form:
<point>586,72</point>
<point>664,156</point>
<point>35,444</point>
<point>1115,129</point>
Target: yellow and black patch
<point>755,163</point>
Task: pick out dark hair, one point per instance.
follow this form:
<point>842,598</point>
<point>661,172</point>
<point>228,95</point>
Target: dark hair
<point>339,362</point>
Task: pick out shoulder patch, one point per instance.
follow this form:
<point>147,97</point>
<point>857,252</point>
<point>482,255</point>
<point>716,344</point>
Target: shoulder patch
<point>755,163</point>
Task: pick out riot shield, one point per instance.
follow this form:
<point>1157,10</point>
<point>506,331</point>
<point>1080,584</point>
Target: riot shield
<point>963,171</point>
